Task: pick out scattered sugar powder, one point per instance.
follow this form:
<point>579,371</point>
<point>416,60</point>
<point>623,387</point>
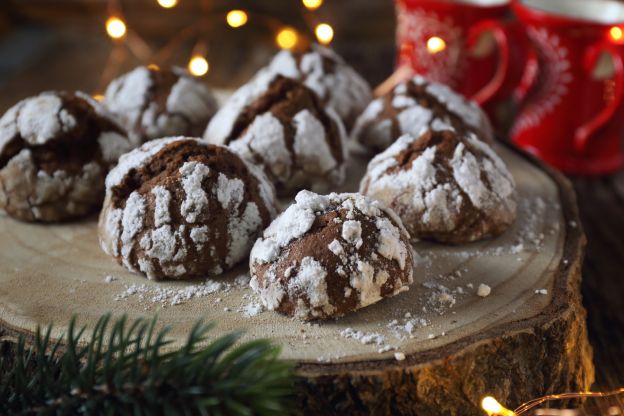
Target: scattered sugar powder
<point>541,292</point>
<point>363,337</point>
<point>252,309</point>
<point>110,279</point>
<point>405,328</point>
<point>169,296</point>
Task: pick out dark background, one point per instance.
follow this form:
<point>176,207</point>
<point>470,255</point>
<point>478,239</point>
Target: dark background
<point>62,44</point>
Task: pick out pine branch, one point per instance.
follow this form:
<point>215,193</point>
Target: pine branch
<point>124,368</point>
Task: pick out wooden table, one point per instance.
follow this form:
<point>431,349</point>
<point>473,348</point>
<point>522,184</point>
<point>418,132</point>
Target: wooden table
<point>35,59</point>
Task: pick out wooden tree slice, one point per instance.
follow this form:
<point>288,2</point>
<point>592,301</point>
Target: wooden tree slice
<point>526,339</point>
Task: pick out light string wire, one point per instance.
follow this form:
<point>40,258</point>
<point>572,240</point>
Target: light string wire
<point>314,27</point>
<point>493,408</point>
<point>564,396</point>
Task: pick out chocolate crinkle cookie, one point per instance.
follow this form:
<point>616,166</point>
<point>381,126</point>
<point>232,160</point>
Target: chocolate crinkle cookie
<point>281,125</point>
<point>55,151</point>
<point>446,186</point>
<point>414,105</point>
<point>328,75</point>
<point>178,208</point>
<point>326,256</point>
<point>151,103</point>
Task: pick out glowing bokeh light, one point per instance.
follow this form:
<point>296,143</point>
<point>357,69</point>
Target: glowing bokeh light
<point>324,33</point>
<point>236,18</point>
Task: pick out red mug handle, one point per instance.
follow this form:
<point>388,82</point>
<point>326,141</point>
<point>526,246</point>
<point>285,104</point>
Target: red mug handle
<point>583,134</point>
<point>500,35</point>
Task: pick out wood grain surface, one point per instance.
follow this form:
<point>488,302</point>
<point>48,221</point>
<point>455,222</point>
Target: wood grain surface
<point>50,272</point>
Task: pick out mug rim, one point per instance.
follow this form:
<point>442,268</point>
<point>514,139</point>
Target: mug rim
<point>482,3</point>
<point>602,12</point>
<point>472,3</point>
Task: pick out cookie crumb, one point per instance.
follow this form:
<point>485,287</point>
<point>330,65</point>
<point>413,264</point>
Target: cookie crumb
<point>484,290</point>
<point>399,356</point>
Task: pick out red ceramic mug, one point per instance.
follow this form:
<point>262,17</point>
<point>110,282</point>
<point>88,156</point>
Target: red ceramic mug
<point>439,40</point>
<point>569,117</point>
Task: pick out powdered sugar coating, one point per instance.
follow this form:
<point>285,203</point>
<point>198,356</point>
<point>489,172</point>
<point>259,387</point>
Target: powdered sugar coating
<point>221,125</point>
<point>299,264</point>
<point>413,106</point>
<point>327,74</point>
<point>201,219</point>
<point>55,150</point>
<point>152,103</point>
<point>304,150</point>
<point>444,186</point>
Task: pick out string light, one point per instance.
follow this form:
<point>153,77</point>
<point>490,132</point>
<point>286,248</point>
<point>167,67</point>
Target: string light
<point>616,34</point>
<point>167,4</point>
<point>312,4</point>
<point>153,67</point>
<point>287,38</point>
<point>324,33</point>
<point>236,18</point>
<point>493,408</point>
<point>98,97</point>
<point>435,45</point>
<point>115,27</point>
<point>198,66</point>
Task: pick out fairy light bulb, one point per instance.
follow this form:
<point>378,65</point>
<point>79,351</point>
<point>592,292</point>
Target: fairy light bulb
<point>435,45</point>
<point>167,4</point>
<point>324,33</point>
<point>115,27</point>
<point>312,4</point>
<point>198,66</point>
<point>492,407</point>
<point>236,18</point>
<point>287,38</point>
<point>616,34</point>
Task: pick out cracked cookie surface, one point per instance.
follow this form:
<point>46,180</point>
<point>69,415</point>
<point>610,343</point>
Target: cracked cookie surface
<point>282,126</point>
<point>327,255</point>
<point>55,151</point>
<point>413,106</point>
<point>151,103</point>
<point>445,186</point>
<point>179,208</point>
<point>329,76</point>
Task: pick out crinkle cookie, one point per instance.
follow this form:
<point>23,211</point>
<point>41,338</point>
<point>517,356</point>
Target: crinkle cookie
<point>445,186</point>
<point>328,75</point>
<point>326,256</point>
<point>151,103</point>
<point>55,151</point>
<point>411,107</point>
<point>281,125</point>
<point>178,208</point>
